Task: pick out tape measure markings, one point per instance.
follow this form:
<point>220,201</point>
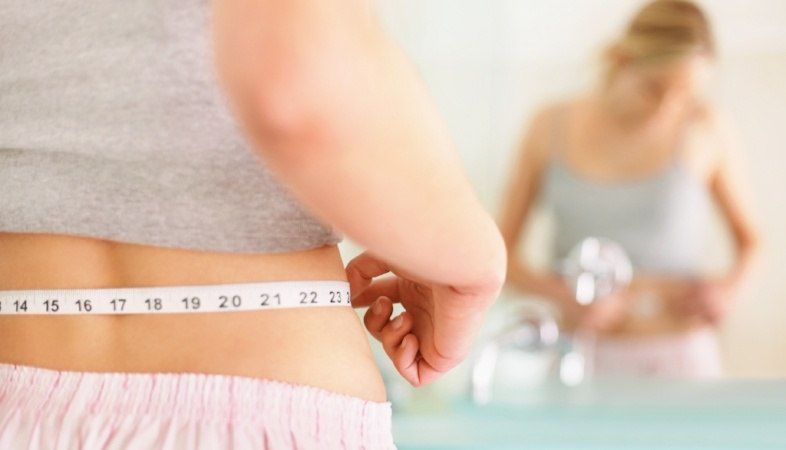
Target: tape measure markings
<point>176,299</point>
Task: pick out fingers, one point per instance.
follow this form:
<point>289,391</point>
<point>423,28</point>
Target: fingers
<point>587,324</point>
<point>597,317</point>
<point>405,359</point>
<point>411,365</point>
<point>402,347</point>
<point>417,371</point>
<point>377,316</point>
<point>427,373</point>
<point>362,270</point>
<point>399,343</point>
<point>394,331</point>
<point>386,287</point>
<point>715,312</point>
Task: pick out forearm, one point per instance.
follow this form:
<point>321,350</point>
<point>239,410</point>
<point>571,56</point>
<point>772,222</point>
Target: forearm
<point>744,263</point>
<point>358,140</point>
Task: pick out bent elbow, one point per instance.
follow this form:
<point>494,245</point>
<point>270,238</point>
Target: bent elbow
<point>279,111</point>
<point>300,100</point>
<point>490,273</point>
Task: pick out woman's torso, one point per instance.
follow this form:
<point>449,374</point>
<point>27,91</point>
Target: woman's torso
<point>121,166</point>
<point>655,204</point>
<point>324,347</point>
<point>113,125</point>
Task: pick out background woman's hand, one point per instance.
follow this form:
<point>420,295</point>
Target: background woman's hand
<point>437,328</point>
<point>604,314</point>
<point>601,315</point>
<point>702,300</point>
<point>708,299</point>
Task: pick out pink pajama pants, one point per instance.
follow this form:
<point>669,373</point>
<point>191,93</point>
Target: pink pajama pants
<point>694,354</point>
<point>63,410</point>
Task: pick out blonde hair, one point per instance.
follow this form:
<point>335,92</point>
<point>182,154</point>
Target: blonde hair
<point>663,31</point>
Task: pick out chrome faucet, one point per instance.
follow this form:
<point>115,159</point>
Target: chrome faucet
<point>595,268</point>
<point>533,330</point>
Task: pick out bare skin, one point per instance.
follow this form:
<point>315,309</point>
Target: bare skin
<point>626,133</point>
<point>338,113</point>
<point>311,346</point>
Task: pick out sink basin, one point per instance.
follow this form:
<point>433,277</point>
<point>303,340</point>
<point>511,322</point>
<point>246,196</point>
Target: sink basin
<point>608,415</point>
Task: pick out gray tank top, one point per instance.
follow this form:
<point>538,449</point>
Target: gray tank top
<point>112,125</point>
<point>661,221</point>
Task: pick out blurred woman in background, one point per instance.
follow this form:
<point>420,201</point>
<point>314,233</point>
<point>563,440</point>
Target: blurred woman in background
<point>639,160</point>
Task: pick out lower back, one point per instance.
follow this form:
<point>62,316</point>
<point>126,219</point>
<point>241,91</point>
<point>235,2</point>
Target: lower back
<point>323,347</point>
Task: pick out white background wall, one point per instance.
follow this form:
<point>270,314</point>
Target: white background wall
<point>491,63</point>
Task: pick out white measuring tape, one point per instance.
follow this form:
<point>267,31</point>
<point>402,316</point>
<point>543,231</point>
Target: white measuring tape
<point>176,299</point>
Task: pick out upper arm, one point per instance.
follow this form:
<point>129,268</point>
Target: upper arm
<point>282,63</point>
<point>525,177</point>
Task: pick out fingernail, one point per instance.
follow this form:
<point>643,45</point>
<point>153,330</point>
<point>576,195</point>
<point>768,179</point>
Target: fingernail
<point>397,322</point>
<point>377,308</point>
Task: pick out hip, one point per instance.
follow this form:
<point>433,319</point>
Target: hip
<point>322,346</point>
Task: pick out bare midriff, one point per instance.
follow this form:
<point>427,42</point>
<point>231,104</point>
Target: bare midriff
<point>325,347</point>
<point>659,317</point>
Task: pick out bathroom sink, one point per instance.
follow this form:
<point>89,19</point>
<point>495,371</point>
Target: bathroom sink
<point>608,415</point>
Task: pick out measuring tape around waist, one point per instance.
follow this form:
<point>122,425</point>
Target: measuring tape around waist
<point>176,299</point>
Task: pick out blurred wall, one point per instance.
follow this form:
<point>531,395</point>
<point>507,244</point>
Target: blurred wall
<point>491,63</point>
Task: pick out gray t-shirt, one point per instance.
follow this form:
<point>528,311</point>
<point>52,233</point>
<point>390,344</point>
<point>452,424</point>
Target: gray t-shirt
<point>113,125</point>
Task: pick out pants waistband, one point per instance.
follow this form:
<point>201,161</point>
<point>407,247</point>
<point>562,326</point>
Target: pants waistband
<point>192,397</point>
